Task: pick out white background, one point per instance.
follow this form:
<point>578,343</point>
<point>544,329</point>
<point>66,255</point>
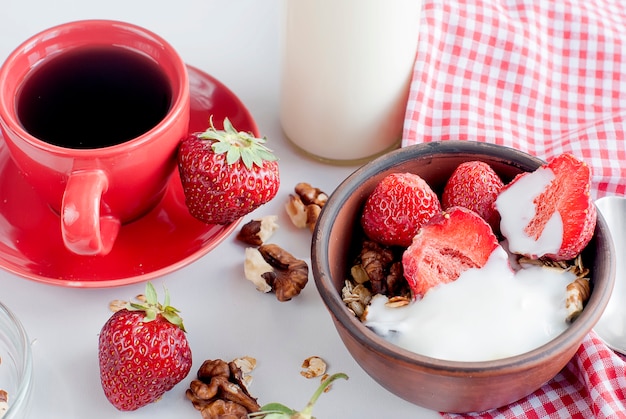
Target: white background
<point>237,42</point>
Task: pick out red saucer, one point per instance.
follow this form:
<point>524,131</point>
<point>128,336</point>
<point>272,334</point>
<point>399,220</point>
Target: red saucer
<point>162,241</point>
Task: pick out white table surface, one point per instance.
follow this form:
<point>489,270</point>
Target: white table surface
<point>238,42</point>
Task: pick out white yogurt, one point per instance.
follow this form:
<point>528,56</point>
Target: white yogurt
<point>486,314</point>
<point>517,213</point>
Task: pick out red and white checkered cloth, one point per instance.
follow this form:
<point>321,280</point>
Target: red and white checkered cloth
<point>592,385</point>
<point>545,77</point>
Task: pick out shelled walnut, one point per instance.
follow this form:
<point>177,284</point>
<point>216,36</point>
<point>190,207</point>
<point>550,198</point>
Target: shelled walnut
<point>305,206</point>
<point>271,268</point>
<point>219,391</point>
<point>289,276</point>
<point>258,231</point>
<point>311,195</point>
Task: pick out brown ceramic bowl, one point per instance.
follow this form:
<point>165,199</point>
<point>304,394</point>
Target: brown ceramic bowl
<point>447,386</point>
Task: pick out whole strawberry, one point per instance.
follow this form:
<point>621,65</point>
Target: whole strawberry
<point>226,174</point>
<point>143,352</point>
<point>397,207</point>
<point>474,185</point>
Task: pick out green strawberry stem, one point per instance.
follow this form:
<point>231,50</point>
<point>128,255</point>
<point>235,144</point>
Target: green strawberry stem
<point>152,307</point>
<point>280,411</point>
<point>238,145</point>
<point>307,412</point>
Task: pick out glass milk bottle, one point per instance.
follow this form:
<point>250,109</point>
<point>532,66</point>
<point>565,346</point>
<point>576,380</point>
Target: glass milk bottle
<point>347,66</point>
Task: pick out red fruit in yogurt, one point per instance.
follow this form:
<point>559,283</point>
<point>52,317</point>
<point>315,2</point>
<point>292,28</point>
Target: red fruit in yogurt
<point>450,243</point>
<point>474,185</point>
<point>399,205</point>
<point>549,212</point>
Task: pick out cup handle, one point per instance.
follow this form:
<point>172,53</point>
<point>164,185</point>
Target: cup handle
<point>84,230</point>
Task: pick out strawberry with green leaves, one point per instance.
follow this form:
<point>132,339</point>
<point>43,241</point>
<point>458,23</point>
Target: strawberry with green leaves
<point>226,174</point>
<point>143,352</point>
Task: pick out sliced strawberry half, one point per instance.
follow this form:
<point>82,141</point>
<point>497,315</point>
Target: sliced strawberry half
<point>397,207</point>
<point>474,185</point>
<point>452,242</point>
<point>549,212</point>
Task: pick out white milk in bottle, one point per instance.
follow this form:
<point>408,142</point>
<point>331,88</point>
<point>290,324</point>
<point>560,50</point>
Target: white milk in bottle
<point>347,66</point>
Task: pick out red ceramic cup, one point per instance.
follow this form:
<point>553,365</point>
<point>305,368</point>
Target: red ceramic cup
<point>92,113</point>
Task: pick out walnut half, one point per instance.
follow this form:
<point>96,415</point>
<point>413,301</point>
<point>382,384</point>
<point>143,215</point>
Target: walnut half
<point>256,232</point>
<point>305,206</point>
<point>219,391</point>
<point>289,275</point>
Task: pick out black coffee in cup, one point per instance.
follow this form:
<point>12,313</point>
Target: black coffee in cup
<point>93,97</point>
